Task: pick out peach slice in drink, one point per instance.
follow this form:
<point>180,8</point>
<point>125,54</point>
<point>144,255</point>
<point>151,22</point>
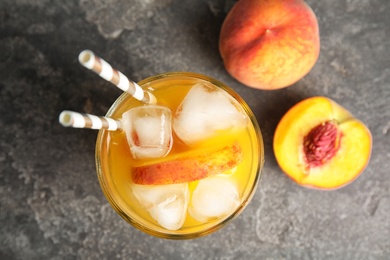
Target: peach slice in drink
<point>189,167</point>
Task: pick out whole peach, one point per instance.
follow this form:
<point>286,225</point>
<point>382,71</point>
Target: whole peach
<point>269,44</point>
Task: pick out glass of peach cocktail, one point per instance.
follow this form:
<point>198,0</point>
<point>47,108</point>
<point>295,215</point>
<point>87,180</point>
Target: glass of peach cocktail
<point>185,167</point>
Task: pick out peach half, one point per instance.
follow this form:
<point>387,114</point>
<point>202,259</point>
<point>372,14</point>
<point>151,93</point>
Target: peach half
<point>188,168</point>
<point>269,44</point>
<point>320,144</point>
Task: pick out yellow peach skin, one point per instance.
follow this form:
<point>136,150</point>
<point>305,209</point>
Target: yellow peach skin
<point>269,44</point>
<point>349,153</point>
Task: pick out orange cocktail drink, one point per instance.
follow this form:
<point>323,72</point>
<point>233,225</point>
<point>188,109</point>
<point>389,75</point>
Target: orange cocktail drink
<point>208,169</point>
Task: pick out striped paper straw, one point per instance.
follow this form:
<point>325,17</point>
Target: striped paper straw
<point>74,119</point>
<point>89,60</point>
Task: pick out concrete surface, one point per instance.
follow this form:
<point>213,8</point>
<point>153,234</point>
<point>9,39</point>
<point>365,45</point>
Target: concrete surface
<point>51,204</point>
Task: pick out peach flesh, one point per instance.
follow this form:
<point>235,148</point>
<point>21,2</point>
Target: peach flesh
<point>348,148</point>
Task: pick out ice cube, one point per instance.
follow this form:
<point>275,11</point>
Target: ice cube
<point>167,204</point>
<point>205,111</point>
<point>148,131</point>
<point>214,197</point>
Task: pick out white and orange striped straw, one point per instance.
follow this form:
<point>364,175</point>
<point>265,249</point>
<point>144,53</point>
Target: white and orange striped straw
<point>89,60</point>
<point>74,119</point>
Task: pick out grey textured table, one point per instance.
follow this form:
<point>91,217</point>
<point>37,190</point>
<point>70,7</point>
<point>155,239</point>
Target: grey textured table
<point>51,204</point>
